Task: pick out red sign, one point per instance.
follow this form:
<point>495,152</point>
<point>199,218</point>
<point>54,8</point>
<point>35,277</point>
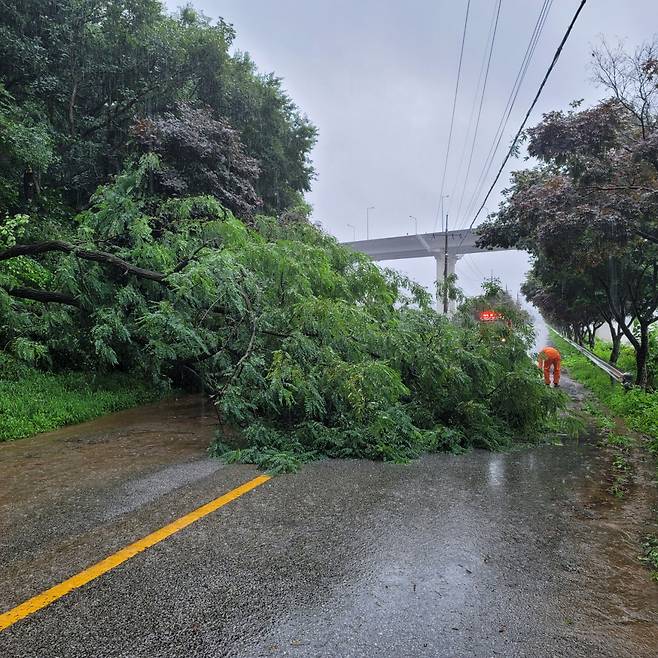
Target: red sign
<point>490,316</point>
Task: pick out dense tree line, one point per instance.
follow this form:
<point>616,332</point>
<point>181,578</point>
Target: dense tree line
<point>82,80</point>
<point>588,212</point>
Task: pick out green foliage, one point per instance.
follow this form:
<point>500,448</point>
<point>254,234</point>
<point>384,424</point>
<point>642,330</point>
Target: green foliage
<point>412,382</point>
<point>492,288</point>
<point>617,441</point>
<point>650,555</point>
<point>12,228</point>
<point>306,347</point>
<point>32,401</point>
<point>75,76</point>
<point>620,476</point>
<point>587,212</point>
<point>131,137</point>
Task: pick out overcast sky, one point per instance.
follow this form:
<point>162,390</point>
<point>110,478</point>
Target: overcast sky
<point>377,77</point>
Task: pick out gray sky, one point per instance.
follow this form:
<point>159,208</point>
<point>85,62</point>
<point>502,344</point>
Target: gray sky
<point>378,79</point>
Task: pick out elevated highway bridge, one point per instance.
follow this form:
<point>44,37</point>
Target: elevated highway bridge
<point>423,245</point>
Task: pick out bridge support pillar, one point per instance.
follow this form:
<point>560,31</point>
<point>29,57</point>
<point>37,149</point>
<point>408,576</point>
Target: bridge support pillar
<point>440,267</point>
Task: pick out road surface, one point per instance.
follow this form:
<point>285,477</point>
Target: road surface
<point>515,554</point>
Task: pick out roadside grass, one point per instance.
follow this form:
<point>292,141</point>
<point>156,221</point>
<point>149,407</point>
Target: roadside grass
<point>620,445</point>
<point>626,359</point>
<point>638,408</point>
<point>37,402</point>
<point>621,475</point>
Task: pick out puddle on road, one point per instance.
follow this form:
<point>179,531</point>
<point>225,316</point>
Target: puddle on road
<point>110,448</point>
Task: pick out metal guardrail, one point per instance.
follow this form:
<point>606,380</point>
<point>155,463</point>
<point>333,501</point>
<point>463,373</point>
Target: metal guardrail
<point>624,378</point>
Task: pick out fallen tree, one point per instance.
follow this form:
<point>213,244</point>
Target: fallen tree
<point>303,346</point>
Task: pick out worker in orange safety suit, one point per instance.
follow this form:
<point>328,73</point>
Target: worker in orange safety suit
<point>550,357</point>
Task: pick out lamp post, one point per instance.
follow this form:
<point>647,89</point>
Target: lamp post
<point>368,209</point>
<point>445,272</point>
<point>415,222</point>
<point>353,232</point>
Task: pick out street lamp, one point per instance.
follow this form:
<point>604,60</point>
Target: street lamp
<point>415,221</point>
<point>368,209</point>
<point>353,232</point>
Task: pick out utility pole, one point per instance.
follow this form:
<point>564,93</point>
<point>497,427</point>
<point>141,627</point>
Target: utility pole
<point>445,271</point>
<point>353,231</point>
<point>415,221</point>
<point>443,196</point>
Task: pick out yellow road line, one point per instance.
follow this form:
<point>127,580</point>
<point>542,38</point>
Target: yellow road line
<point>44,599</point>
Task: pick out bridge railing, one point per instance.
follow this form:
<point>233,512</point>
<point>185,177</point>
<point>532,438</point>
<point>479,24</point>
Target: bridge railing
<point>624,378</point>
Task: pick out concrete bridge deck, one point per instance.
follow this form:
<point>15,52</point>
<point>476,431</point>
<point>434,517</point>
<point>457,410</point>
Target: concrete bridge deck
<point>420,245</point>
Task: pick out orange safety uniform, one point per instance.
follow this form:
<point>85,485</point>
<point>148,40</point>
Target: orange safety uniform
<point>550,357</point>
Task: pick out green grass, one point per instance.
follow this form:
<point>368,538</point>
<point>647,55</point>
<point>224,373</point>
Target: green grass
<point>38,402</point>
<point>626,360</point>
<point>621,475</point>
<point>638,408</point>
<point>650,555</point>
<point>617,441</point>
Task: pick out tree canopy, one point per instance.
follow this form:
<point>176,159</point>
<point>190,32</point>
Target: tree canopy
<point>587,212</point>
<point>76,76</point>
<point>308,347</point>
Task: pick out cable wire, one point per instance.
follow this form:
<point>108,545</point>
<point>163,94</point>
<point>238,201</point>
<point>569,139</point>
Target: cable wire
<point>469,262</point>
<point>511,101</point>
<point>509,106</point>
<point>556,57</point>
<point>479,116</point>
<point>454,106</point>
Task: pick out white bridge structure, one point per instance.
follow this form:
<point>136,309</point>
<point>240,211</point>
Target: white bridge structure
<point>422,245</point>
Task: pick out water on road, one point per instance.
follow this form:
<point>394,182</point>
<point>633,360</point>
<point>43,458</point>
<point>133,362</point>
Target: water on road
<point>517,554</point>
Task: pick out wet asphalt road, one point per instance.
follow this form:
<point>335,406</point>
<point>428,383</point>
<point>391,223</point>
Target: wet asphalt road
<point>516,554</point>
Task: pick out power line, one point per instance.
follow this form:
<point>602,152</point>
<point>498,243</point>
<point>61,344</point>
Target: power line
<point>478,270</point>
<point>556,57</point>
<point>479,116</point>
<point>509,106</point>
<point>466,275</point>
<point>454,106</point>
<point>484,71</point>
<point>479,276</point>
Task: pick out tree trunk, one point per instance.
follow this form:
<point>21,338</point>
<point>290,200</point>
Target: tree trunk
<point>31,188</point>
<point>614,354</point>
<point>71,108</point>
<point>641,355</point>
<point>616,345</point>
